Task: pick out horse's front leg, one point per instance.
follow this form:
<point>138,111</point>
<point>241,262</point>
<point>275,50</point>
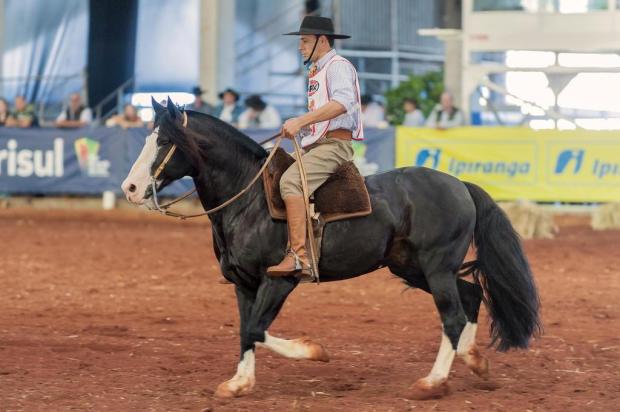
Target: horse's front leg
<point>256,313</point>
<point>267,306</point>
<point>244,379</point>
<point>300,348</point>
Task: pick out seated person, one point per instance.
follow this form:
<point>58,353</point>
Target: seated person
<point>23,115</point>
<point>413,115</point>
<point>259,115</point>
<point>5,111</point>
<point>199,105</point>
<point>229,110</point>
<point>445,115</point>
<point>129,118</point>
<point>373,114</point>
<point>75,115</point>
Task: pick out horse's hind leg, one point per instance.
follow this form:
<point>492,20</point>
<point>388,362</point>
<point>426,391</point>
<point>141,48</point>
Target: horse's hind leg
<point>471,297</point>
<point>442,285</point>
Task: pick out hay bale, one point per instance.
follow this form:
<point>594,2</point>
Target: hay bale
<point>606,217</point>
<point>530,220</point>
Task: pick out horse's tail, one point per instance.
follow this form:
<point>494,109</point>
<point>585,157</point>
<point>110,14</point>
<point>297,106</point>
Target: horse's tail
<point>504,273</point>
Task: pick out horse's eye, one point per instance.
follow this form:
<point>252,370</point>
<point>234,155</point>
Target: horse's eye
<point>162,141</point>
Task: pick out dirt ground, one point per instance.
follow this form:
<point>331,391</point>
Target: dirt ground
<point>118,311</point>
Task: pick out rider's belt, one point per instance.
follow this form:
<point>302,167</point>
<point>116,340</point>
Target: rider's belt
<point>342,134</point>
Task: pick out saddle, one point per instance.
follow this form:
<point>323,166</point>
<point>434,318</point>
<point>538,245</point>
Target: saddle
<point>342,196</point>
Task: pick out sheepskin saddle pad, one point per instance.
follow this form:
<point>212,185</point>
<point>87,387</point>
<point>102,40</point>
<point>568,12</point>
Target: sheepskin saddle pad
<point>342,196</point>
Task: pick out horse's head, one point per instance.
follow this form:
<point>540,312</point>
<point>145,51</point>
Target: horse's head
<point>163,159</point>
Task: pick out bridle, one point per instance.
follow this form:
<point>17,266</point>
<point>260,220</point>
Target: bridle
<point>164,208</point>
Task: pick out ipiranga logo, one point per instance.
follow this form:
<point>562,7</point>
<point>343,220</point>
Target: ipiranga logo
<point>600,162</point>
<point>432,157</point>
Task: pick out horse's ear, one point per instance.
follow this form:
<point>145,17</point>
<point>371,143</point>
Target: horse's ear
<point>159,109</point>
<point>173,110</point>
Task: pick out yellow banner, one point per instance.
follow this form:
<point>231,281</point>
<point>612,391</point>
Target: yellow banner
<point>520,163</point>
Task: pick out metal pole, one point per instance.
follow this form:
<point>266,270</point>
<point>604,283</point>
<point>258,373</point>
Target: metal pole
<point>394,42</point>
<point>85,93</point>
<point>119,99</point>
<point>2,24</point>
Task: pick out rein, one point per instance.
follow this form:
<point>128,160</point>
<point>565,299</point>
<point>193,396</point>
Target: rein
<point>163,208</point>
<point>304,184</point>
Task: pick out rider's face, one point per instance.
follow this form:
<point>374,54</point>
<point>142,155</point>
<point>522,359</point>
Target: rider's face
<point>306,43</point>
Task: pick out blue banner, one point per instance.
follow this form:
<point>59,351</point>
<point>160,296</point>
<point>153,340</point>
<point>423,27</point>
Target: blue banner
<point>92,160</point>
<point>84,161</point>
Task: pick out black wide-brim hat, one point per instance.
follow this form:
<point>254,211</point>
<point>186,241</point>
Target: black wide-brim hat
<point>197,91</point>
<point>231,91</point>
<point>255,102</point>
<point>319,26</point>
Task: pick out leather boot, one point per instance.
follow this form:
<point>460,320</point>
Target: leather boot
<point>296,261</point>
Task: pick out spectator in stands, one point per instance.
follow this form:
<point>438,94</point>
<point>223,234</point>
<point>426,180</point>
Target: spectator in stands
<point>229,110</point>
<point>413,115</point>
<point>445,115</point>
<point>373,114</point>
<point>5,111</point>
<point>129,118</point>
<point>23,116</point>
<point>259,115</point>
<point>200,105</point>
<point>75,114</point>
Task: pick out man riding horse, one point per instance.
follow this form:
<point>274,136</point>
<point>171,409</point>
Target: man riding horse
<point>421,226</point>
<point>332,121</point>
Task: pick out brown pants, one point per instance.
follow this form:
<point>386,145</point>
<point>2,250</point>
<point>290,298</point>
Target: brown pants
<point>320,161</point>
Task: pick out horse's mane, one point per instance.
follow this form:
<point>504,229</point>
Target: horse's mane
<point>206,130</point>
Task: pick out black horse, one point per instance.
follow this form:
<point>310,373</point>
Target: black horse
<point>422,224</point>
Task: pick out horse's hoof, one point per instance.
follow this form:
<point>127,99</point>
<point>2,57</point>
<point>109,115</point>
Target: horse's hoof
<point>233,389</point>
<point>316,351</point>
<point>478,363</point>
<point>423,389</point>
<point>481,368</point>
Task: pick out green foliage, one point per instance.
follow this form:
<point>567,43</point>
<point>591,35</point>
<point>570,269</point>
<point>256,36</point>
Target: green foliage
<point>425,89</point>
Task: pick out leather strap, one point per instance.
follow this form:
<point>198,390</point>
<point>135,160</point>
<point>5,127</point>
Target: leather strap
<point>342,134</point>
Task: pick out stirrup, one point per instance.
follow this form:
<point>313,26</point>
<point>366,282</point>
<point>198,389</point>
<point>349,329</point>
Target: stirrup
<point>305,275</point>
<point>298,265</point>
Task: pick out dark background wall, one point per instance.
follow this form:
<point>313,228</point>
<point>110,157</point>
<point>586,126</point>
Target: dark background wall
<point>111,46</point>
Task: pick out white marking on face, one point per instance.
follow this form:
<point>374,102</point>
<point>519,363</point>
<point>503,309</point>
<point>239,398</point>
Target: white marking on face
<point>139,177</point>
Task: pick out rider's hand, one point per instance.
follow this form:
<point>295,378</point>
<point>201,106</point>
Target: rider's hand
<point>291,127</point>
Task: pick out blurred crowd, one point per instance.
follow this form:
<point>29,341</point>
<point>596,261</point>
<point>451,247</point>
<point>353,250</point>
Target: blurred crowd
<point>254,113</point>
<point>74,114</point>
<point>444,115</point>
